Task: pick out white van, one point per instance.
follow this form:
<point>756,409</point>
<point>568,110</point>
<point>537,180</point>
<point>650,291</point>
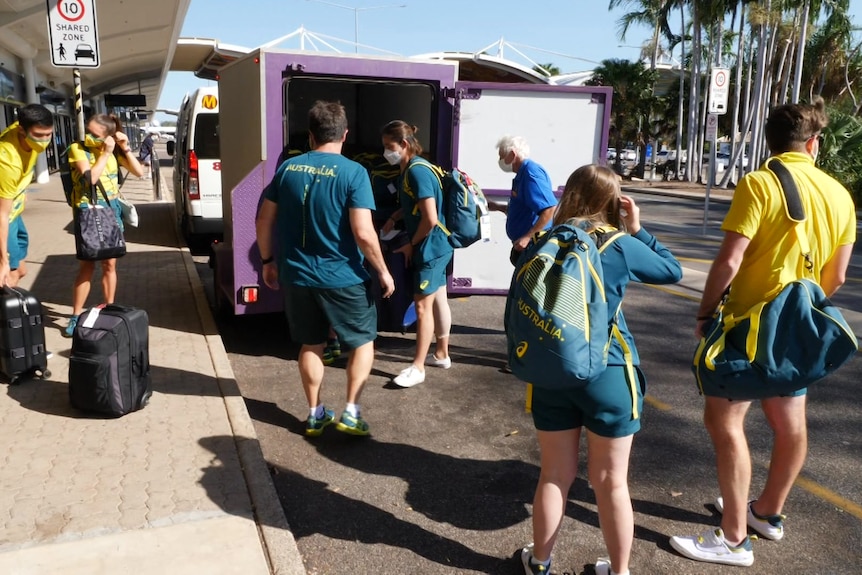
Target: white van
<point>197,165</point>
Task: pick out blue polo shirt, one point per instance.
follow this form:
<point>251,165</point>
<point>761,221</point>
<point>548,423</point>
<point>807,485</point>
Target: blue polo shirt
<point>531,194</point>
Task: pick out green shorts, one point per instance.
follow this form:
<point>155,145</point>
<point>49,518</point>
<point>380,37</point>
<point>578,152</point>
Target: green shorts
<point>430,276</point>
<point>350,311</point>
<point>604,406</point>
<point>18,242</point>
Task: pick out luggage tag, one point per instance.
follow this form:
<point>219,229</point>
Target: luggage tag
<point>90,320</point>
<point>485,227</point>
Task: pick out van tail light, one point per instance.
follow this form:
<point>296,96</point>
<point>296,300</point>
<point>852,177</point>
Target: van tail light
<point>194,189</point>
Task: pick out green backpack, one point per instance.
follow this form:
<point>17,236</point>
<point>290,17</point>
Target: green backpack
<point>464,206</point>
<point>558,326</point>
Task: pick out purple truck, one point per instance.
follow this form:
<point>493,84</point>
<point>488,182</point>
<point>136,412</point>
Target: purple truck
<point>265,97</point>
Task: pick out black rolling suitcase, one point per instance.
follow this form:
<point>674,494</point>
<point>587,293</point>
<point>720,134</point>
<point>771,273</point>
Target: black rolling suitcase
<point>394,313</point>
<point>22,336</point>
<point>109,368</point>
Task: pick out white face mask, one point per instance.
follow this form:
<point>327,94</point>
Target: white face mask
<point>505,167</point>
<point>392,156</point>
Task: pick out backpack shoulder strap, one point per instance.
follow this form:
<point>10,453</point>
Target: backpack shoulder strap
<point>436,170</point>
<point>606,236</point>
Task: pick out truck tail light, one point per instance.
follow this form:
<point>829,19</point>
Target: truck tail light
<point>249,294</point>
<point>194,188</point>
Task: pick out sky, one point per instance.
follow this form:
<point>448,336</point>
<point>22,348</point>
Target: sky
<point>582,29</point>
<point>574,35</point>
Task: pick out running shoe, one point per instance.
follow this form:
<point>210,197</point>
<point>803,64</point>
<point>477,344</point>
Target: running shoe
<point>315,426</point>
<point>712,547</point>
<point>531,568</point>
<point>70,327</point>
<point>352,425</point>
<point>409,377</point>
<point>444,363</point>
<point>769,527</point>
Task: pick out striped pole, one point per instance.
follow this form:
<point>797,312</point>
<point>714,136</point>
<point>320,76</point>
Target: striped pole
<point>79,103</point>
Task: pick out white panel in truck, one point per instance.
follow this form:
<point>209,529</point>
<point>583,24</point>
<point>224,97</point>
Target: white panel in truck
<point>565,127</point>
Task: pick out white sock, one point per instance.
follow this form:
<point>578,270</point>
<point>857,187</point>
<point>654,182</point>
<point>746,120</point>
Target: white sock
<point>352,409</point>
<point>316,412</point>
<point>535,561</point>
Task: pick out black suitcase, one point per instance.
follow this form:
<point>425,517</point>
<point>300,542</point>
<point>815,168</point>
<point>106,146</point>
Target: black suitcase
<point>394,313</point>
<point>22,336</point>
<point>109,367</point>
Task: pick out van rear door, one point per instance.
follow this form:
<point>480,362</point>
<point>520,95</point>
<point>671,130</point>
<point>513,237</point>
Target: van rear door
<point>565,126</point>
<point>205,145</point>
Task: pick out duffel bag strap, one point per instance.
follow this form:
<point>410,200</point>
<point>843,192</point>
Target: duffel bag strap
<point>794,207</point>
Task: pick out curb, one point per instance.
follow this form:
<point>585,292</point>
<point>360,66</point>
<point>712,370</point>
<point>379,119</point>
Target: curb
<point>678,193</point>
<point>279,545</point>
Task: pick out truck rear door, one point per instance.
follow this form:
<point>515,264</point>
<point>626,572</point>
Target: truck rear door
<point>565,126</point>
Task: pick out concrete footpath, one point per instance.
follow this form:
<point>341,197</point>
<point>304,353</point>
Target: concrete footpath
<point>180,487</point>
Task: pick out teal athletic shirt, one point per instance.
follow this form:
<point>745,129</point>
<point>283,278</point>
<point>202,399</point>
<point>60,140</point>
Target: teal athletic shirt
<point>418,183</point>
<point>315,192</point>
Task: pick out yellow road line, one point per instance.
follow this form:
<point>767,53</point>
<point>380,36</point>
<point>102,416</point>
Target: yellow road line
<point>673,292</point>
<point>697,260</point>
<point>830,496</point>
<point>656,403</point>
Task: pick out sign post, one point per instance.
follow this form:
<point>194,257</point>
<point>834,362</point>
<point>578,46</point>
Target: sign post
<point>712,136</point>
<point>74,43</point>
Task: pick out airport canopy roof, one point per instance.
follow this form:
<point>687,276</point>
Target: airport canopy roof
<point>136,44</point>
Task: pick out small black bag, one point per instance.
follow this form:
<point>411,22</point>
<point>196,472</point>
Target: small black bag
<point>97,232</point>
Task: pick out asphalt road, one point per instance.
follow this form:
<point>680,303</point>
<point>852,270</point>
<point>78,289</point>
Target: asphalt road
<point>445,482</point>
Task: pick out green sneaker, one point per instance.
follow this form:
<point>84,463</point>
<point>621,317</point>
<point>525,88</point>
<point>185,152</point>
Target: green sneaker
<point>331,352</point>
<point>352,425</point>
<point>315,426</point>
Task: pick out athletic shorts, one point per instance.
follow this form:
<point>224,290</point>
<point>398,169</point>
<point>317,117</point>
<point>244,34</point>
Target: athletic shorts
<point>604,406</point>
<point>350,311</point>
<point>117,209</point>
<point>18,242</point>
<point>712,390</point>
<point>430,276</point>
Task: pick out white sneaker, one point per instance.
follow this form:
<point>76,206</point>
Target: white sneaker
<point>432,360</point>
<point>603,566</point>
<point>529,567</point>
<point>409,377</point>
<point>771,527</point>
<point>711,547</point>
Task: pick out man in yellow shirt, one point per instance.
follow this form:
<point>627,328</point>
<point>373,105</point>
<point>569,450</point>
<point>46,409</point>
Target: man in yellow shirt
<point>759,255</point>
<point>20,145</point>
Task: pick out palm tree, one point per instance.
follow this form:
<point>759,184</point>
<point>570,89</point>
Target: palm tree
<point>547,69</point>
<point>632,102</point>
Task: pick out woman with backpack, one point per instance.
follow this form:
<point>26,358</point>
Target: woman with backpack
<point>609,406</point>
<point>428,253</point>
<point>95,163</point>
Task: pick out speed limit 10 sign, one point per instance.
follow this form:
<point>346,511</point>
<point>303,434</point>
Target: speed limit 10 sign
<point>719,87</point>
<point>72,30</point>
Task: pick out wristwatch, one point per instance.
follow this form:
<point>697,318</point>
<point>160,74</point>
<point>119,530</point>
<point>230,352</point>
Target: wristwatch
<point>268,260</point>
